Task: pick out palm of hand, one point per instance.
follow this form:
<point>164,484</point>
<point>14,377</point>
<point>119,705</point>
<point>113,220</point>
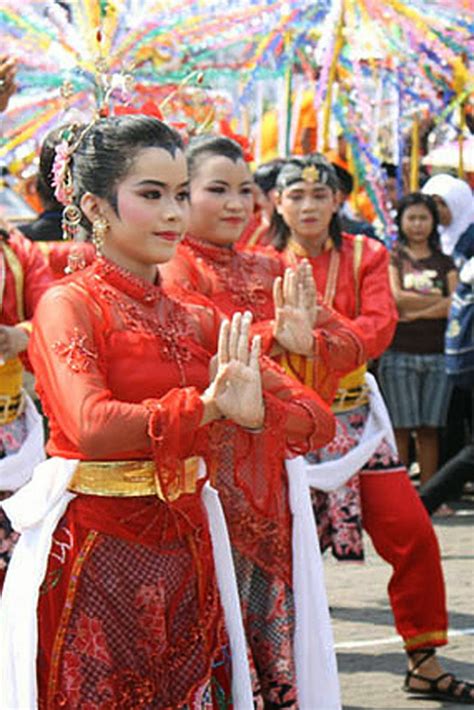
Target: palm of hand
<point>237,390</point>
<point>294,296</point>
<point>294,329</point>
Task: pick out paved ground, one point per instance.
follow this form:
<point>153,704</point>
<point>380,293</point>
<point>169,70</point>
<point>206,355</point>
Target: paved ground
<point>370,657</point>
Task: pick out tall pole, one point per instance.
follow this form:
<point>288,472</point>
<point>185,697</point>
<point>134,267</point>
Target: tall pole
<point>288,92</point>
<point>415,155</point>
<point>462,126</point>
<point>338,45</point>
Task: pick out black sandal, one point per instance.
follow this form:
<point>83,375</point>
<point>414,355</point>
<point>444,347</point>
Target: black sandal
<point>433,691</point>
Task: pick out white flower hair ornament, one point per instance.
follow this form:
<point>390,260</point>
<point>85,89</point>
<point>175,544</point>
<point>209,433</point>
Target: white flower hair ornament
<point>61,173</point>
<point>62,179</point>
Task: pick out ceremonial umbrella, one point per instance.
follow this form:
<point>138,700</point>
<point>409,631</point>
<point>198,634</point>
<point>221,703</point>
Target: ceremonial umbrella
<point>447,155</point>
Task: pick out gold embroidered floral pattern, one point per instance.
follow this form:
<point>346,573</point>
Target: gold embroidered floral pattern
<point>77,354</point>
<point>238,275</point>
<point>144,308</point>
<point>245,288</point>
<point>164,320</point>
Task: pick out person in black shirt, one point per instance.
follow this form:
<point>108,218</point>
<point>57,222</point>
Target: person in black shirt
<point>348,223</point>
<point>47,226</point>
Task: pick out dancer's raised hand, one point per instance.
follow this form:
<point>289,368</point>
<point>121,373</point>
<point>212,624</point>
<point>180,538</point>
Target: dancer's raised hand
<point>236,389</point>
<point>293,297</point>
<point>306,279</point>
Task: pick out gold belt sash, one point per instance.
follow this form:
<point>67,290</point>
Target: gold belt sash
<point>350,399</point>
<point>11,395</point>
<point>11,377</point>
<point>124,479</point>
<point>10,407</point>
<point>352,392</point>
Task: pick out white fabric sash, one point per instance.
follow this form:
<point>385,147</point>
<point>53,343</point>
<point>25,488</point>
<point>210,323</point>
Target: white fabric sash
<point>315,659</point>
<point>329,475</point>
<point>227,583</point>
<point>35,511</point>
<point>16,469</point>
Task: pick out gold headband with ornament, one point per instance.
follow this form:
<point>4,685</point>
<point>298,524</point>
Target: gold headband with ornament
<point>297,170</point>
<point>311,174</point>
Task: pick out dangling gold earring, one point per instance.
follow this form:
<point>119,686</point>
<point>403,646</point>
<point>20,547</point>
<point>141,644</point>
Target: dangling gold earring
<point>71,219</point>
<point>100,227</point>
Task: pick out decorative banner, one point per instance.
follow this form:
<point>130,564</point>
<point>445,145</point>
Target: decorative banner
<point>370,67</point>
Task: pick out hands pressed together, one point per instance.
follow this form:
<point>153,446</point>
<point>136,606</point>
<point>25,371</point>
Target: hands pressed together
<point>236,388</point>
<point>296,309</point>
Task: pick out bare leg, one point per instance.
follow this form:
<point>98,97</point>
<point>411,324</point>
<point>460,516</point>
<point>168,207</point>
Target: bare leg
<point>402,437</point>
<point>428,452</point>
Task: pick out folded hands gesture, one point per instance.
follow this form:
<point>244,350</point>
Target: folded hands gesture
<point>294,296</point>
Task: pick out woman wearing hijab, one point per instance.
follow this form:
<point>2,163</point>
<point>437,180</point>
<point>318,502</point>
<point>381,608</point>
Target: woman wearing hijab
<point>455,203</point>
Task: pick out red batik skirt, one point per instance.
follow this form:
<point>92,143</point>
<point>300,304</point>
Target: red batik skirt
<point>129,612</point>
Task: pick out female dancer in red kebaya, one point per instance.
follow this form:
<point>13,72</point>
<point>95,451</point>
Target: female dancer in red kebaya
<point>352,273</point>
<point>129,613</point>
<point>256,504</point>
<point>24,277</point>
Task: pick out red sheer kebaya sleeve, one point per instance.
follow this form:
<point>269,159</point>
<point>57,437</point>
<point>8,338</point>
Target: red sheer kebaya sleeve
<point>378,315</point>
<point>37,277</point>
<point>68,354</point>
<point>338,342</point>
<point>307,421</point>
<point>296,421</point>
<point>173,429</point>
<point>27,279</point>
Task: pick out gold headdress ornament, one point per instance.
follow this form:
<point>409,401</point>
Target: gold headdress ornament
<point>106,84</point>
<point>314,169</point>
<point>311,174</point>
